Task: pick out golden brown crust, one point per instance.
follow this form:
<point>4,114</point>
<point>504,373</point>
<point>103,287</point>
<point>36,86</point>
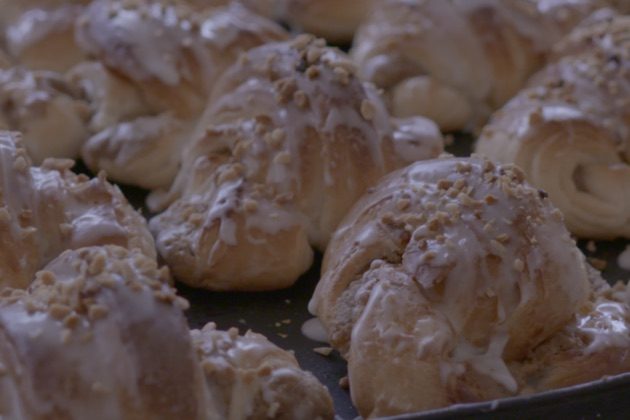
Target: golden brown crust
<point>440,276</point>
<point>175,66</point>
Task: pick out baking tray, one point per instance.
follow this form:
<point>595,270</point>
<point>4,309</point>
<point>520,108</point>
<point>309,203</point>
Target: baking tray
<point>280,315</point>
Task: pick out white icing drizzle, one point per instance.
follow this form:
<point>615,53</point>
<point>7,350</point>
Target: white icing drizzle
<point>292,137</point>
<point>49,209</point>
<point>606,326</point>
<point>473,240</point>
<point>313,329</point>
<point>156,39</point>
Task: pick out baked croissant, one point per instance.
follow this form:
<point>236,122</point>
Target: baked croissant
<point>443,284</point>
<point>333,20</point>
<point>292,138</point>
<point>172,55</point>
<point>50,112</point>
<point>454,61</point>
<point>46,210</point>
<point>570,129</point>
<point>100,334</point>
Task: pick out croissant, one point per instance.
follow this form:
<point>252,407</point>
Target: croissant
<point>570,129</point>
<point>454,281</point>
<point>50,112</point>
<point>454,61</point>
<point>291,139</point>
<point>46,210</point>
<point>335,21</point>
<point>39,34</point>
<point>100,334</point>
<point>165,58</point>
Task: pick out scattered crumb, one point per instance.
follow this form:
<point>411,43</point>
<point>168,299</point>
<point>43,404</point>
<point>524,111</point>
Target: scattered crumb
<point>242,321</point>
<point>324,351</point>
<point>591,247</point>
<point>286,321</point>
<point>287,301</point>
<point>283,335</point>
<point>344,383</point>
<point>278,325</point>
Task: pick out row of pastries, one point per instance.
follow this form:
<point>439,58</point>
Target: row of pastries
<point>443,281</point>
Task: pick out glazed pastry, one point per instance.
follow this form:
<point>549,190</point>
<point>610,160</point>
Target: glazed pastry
<point>174,65</point>
<point>292,138</point>
<point>454,61</point>
<point>443,283</point>
<point>46,210</point>
<point>39,34</point>
<point>335,21</point>
<point>144,152</point>
<point>248,377</point>
<point>49,111</point>
<point>82,341</point>
<point>171,68</point>
<point>570,129</point>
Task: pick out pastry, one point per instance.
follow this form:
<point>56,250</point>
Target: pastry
<point>50,112</point>
<point>290,140</point>
<point>100,334</point>
<point>47,209</point>
<point>569,129</point>
<point>454,281</point>
<point>454,61</point>
<point>171,68</point>
<point>144,152</point>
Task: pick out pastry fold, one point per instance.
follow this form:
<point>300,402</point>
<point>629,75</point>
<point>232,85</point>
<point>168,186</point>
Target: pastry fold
<point>455,281</point>
<point>291,139</point>
<point>569,129</point>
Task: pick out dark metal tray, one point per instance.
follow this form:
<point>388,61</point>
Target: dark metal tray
<point>279,315</point>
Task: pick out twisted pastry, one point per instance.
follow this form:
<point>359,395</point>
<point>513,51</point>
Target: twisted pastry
<point>166,58</point>
<point>446,283</point>
<point>50,112</point>
<point>100,334</point>
<point>291,140</point>
<point>570,129</point>
<point>454,61</point>
<point>46,210</point>
<point>335,21</point>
